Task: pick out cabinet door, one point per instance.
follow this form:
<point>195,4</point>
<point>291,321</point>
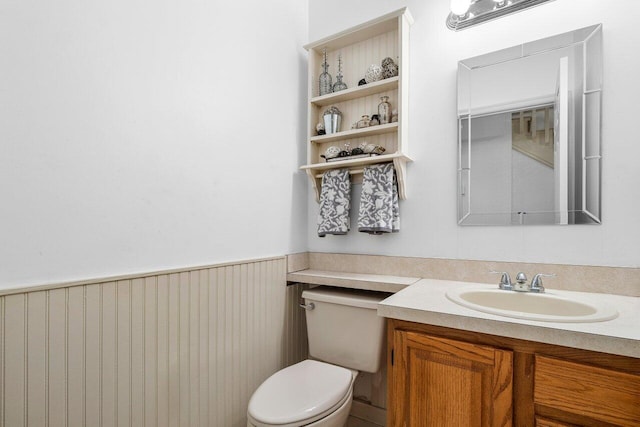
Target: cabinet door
<point>443,382</point>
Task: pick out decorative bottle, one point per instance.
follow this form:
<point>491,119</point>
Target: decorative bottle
<point>339,84</point>
<point>325,81</point>
<point>384,110</point>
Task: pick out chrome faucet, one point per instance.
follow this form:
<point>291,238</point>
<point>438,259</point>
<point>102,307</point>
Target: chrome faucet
<point>536,282</point>
<point>521,282</point>
<point>505,280</point>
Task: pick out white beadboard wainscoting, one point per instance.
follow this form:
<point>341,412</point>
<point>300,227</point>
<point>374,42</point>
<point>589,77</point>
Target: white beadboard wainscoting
<point>179,348</point>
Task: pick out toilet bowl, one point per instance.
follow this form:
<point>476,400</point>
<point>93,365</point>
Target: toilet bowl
<point>345,336</point>
<point>309,393</point>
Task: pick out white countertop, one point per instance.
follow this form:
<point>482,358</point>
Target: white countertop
<point>425,302</point>
<point>370,282</point>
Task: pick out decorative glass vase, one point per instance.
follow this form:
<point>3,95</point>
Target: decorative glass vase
<point>339,84</point>
<point>384,110</point>
<point>325,81</point>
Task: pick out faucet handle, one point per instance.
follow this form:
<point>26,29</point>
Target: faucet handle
<point>536,282</point>
<point>505,280</point>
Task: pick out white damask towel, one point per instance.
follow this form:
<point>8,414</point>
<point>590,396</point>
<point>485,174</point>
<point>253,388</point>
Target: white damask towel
<point>335,202</point>
<point>379,207</point>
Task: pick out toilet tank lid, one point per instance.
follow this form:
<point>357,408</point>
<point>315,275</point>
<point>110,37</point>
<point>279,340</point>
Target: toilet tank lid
<point>350,297</point>
<point>300,392</point>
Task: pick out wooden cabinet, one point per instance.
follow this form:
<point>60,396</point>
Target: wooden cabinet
<point>545,422</point>
<point>446,377</point>
<point>587,394</point>
<point>443,382</point>
<point>358,48</point>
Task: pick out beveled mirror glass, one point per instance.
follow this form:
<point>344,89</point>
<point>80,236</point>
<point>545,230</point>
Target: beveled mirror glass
<point>529,132</point>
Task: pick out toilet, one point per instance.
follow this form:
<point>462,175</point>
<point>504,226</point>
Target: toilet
<point>346,336</point>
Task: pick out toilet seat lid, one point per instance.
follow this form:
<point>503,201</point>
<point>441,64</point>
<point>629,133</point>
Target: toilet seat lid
<point>299,392</point>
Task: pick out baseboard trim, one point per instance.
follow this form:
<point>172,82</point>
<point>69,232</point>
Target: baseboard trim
<point>369,413</point>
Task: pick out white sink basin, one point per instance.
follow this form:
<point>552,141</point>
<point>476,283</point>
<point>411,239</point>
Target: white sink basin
<point>545,307</point>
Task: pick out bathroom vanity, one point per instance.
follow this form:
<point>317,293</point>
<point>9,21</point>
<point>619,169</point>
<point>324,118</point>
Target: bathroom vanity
<point>487,380</point>
<point>450,365</point>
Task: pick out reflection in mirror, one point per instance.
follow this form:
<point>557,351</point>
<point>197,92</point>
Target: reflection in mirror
<point>529,133</point>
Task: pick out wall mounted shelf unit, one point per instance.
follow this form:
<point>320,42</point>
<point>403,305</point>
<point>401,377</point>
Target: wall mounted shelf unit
<point>359,47</point>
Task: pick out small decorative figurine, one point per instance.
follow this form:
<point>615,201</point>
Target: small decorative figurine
<point>320,129</point>
<point>363,122</point>
<point>386,62</point>
<point>389,68</point>
<point>362,82</point>
<point>346,152</point>
<point>373,74</point>
<point>375,120</point>
<point>368,148</point>
<point>331,152</point>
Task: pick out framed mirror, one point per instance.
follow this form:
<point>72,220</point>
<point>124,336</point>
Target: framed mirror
<point>529,132</point>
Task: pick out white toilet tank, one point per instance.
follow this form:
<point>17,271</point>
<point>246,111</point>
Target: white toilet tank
<point>344,328</point>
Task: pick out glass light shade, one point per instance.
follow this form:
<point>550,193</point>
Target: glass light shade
<point>460,7</point>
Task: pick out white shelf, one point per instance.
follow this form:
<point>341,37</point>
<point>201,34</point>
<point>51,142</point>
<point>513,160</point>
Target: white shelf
<point>354,163</point>
<point>359,47</point>
<point>356,133</point>
<point>355,166</point>
<point>356,92</point>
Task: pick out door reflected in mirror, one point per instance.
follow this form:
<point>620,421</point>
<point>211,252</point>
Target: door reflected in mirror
<point>529,133</point>
<point>532,133</point>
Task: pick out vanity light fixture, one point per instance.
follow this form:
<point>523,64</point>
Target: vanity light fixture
<point>467,13</point>
<point>459,8</point>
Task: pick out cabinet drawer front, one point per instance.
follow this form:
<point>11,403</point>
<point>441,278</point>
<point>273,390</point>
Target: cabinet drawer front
<point>601,394</point>
<point>544,422</point>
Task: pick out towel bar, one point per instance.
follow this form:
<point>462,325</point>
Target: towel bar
<point>351,172</point>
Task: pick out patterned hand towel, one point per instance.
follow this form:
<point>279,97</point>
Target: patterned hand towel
<point>335,201</point>
<point>379,207</point>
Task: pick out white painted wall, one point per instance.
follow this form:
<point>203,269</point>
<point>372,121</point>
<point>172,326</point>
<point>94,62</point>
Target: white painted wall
<point>139,136</point>
<point>428,216</point>
<point>134,138</point>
